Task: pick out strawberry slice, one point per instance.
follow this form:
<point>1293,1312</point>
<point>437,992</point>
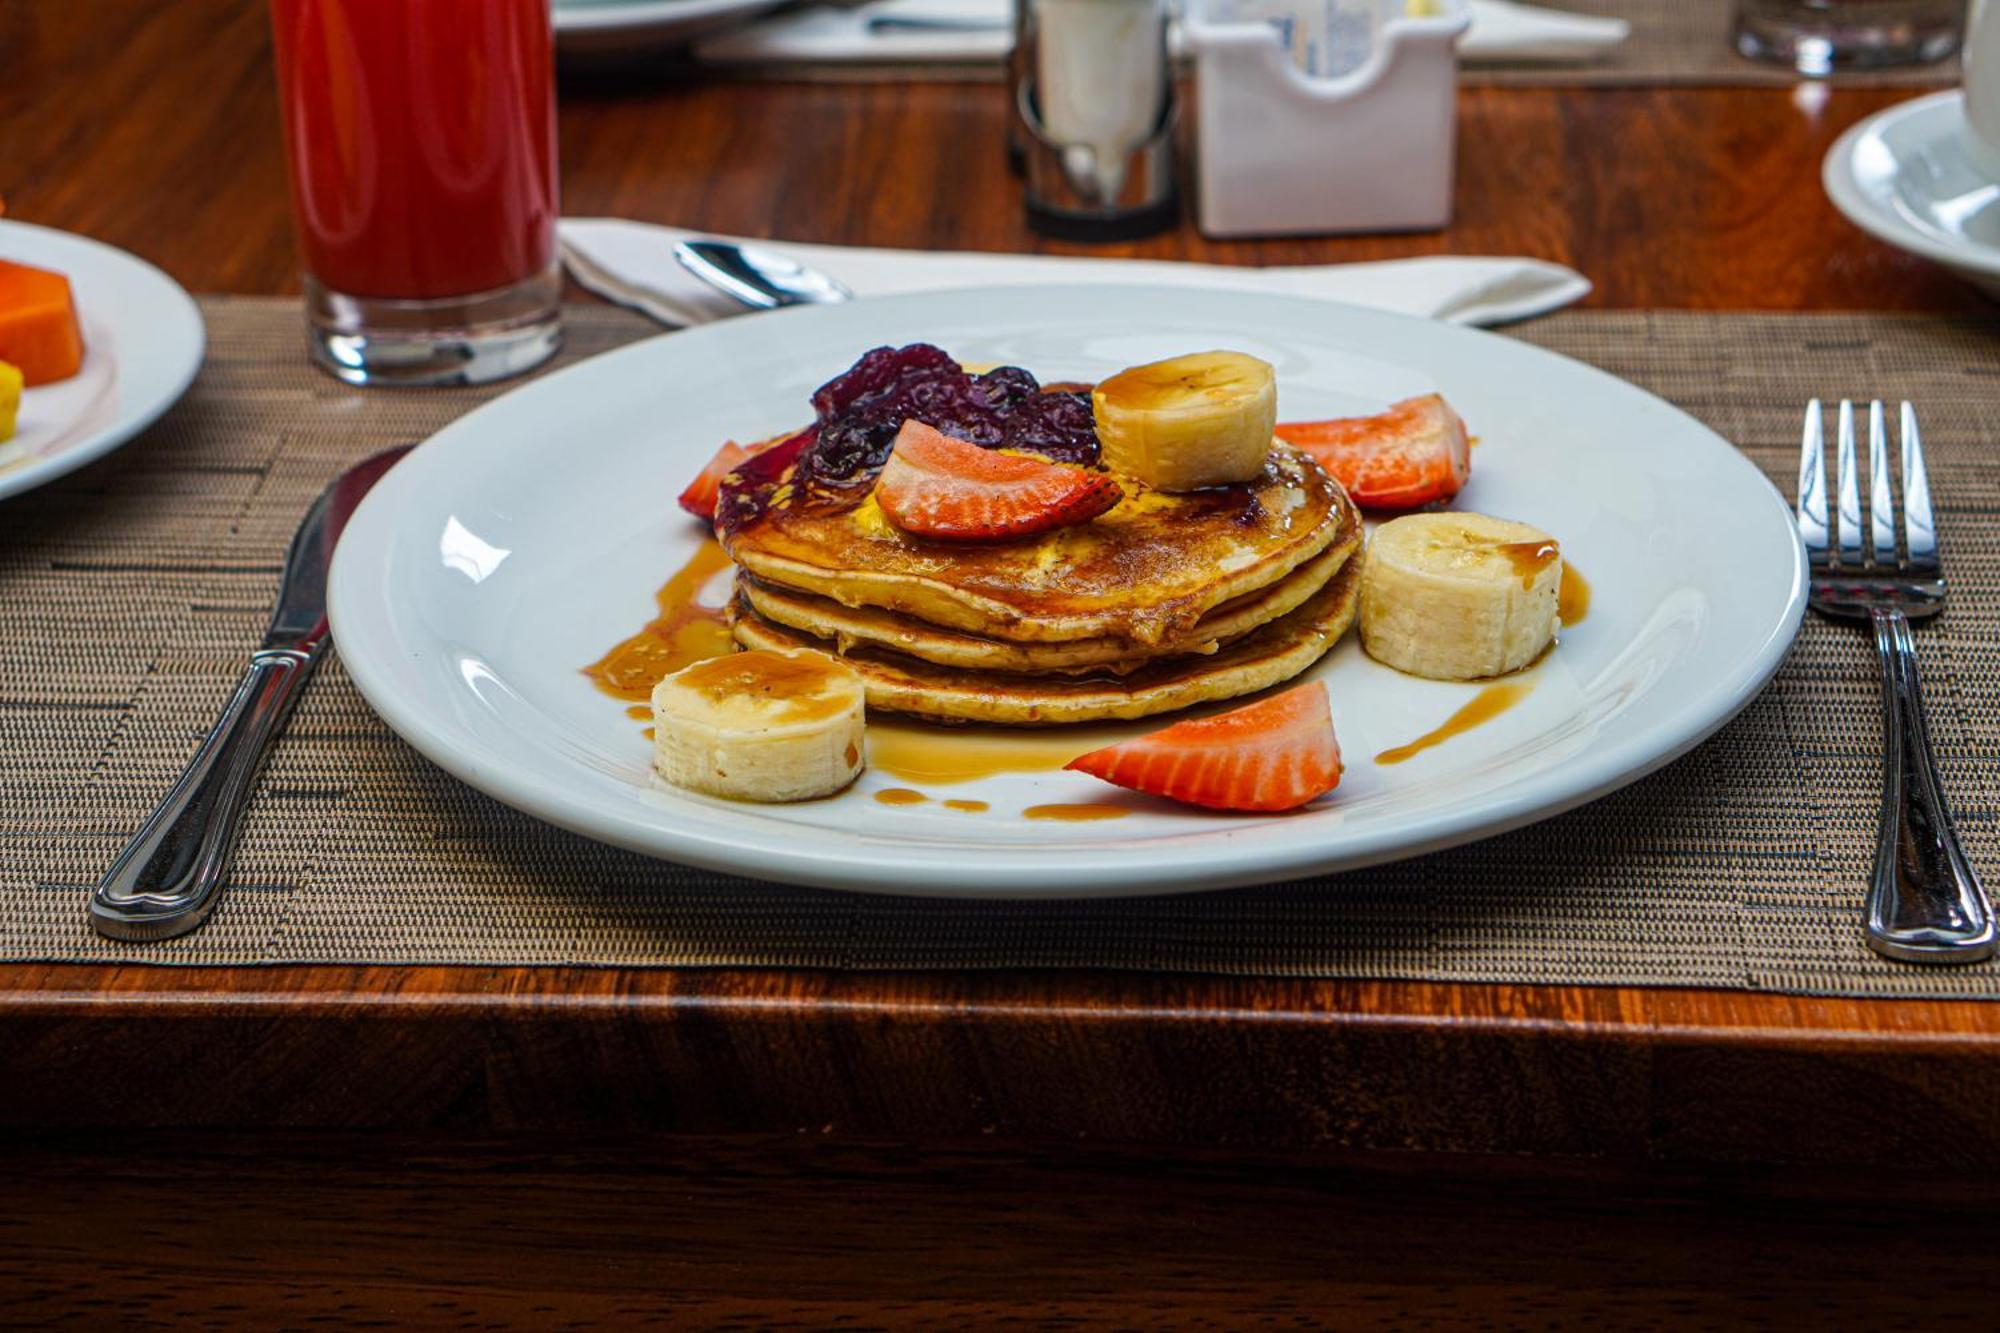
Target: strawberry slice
<point>1414,454</point>
<point>700,496</point>
<point>1276,754</point>
<point>936,486</point>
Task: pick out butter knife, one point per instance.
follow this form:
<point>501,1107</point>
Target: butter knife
<point>167,880</point>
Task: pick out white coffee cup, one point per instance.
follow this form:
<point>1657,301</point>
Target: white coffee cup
<point>1982,88</point>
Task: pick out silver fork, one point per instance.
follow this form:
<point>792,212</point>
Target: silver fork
<point>1925,904</point>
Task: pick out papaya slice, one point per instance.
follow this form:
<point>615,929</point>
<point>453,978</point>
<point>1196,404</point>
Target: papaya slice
<point>39,332</point>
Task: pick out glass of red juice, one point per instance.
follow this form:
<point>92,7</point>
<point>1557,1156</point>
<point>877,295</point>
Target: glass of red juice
<point>421,138</point>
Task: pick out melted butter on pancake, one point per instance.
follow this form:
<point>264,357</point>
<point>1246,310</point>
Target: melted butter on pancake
<point>870,522</point>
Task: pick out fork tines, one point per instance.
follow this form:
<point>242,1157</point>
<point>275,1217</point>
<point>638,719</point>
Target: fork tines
<point>1837,546</point>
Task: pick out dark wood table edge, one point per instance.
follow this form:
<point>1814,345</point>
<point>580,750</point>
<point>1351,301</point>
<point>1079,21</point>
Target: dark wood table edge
<point>1625,1075</point>
<point>1667,1014</point>
<point>816,1231</point>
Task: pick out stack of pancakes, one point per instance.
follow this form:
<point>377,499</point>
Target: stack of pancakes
<point>1168,600</point>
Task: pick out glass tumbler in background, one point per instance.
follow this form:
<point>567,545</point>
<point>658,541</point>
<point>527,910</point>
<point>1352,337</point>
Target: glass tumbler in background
<point>1822,37</point>
<point>421,140</point>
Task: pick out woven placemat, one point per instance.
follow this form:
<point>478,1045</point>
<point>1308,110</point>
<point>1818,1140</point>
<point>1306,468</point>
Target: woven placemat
<point>1673,42</point>
<point>129,591</point>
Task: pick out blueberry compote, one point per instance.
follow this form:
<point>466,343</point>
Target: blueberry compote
<point>858,413</point>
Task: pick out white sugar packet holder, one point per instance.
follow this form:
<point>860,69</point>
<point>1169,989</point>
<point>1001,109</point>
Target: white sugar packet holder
<point>1317,116</point>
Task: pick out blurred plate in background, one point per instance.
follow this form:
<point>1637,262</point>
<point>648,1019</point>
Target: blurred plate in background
<point>1903,176</point>
<point>142,343</point>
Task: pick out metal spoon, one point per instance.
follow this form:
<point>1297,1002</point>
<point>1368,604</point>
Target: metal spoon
<point>759,278</point>
<point>934,23</point>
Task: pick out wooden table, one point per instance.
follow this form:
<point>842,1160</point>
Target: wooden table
<point>905,1165</point>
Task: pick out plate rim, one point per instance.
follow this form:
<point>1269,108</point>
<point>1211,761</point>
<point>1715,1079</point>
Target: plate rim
<point>859,865</point>
<point>1860,207</point>
<point>130,421</point>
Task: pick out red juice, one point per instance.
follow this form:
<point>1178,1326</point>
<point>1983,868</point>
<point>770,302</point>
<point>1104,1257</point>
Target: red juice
<point>421,136</point>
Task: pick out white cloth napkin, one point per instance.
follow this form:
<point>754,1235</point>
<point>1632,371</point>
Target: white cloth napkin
<point>633,264</point>
<point>1503,32</point>
<point>938,32</point>
<point>981,31</point>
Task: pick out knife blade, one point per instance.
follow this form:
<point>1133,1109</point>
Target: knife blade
<point>169,878</point>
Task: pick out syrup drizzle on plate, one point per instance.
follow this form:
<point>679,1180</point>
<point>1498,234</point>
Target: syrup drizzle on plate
<point>917,753</point>
<point>1484,706</point>
<point>1075,811</point>
<point>1572,597</point>
<point>907,796</point>
<point>687,630</point>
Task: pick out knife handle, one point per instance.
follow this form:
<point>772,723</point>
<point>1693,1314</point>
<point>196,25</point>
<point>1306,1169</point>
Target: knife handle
<point>166,881</point>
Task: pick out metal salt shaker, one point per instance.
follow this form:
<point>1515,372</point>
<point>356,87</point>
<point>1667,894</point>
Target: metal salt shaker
<point>1094,99</point>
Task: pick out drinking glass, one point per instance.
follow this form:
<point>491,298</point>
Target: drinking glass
<point>1982,88</point>
<point>421,141</point>
<point>1820,37</point>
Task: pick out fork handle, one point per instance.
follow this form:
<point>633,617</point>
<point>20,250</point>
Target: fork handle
<point>1925,904</point>
<point>166,881</point>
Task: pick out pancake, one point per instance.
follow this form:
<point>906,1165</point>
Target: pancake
<point>1268,655</point>
<point>867,627</point>
<point>1146,572</point>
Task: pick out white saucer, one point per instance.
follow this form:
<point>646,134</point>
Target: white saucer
<point>142,343</point>
<point>1903,176</point>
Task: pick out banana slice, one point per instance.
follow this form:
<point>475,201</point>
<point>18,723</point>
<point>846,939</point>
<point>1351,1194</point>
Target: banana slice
<point>760,726</point>
<point>10,399</point>
<point>1206,419</point>
<point>1459,596</point>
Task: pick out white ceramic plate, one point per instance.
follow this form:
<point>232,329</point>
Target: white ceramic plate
<point>1903,177</point>
<point>519,543</point>
<point>143,341</point>
<point>611,28</point>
